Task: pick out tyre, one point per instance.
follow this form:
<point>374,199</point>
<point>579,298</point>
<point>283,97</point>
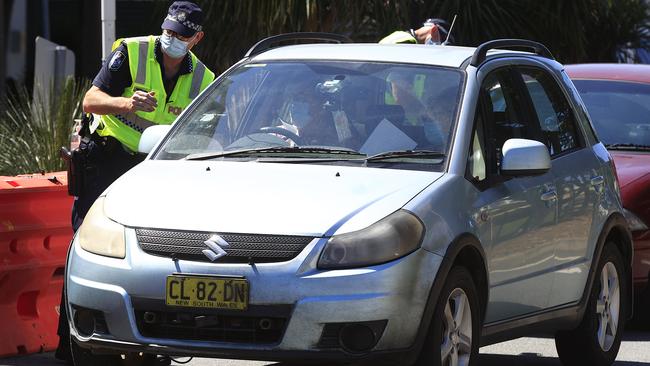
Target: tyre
<point>453,335</point>
<point>597,340</point>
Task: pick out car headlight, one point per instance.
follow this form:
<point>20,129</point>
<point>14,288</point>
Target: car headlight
<point>388,239</point>
<point>633,221</point>
<point>100,235</point>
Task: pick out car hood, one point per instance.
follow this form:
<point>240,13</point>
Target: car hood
<point>631,166</point>
<point>260,198</point>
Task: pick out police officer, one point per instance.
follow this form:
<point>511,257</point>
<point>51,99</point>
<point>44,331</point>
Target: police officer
<point>146,81</point>
<point>433,31</point>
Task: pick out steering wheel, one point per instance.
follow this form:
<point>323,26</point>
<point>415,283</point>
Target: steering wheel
<point>283,132</point>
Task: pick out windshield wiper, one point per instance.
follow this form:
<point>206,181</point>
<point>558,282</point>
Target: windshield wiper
<point>273,149</point>
<point>405,154</point>
<point>627,147</point>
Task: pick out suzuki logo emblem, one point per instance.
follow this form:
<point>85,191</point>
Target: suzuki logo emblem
<point>215,247</point>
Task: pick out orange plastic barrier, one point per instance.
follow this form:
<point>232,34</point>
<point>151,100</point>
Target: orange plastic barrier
<point>35,233</point>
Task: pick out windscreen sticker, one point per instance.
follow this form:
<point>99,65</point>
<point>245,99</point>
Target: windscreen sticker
<point>342,125</point>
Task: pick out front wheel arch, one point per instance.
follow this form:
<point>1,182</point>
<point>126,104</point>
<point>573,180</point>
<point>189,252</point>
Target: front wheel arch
<point>465,250</point>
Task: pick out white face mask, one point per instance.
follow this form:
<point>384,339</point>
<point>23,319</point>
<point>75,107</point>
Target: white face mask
<point>173,47</point>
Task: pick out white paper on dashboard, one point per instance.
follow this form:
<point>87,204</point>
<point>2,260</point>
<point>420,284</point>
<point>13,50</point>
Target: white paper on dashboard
<point>387,137</point>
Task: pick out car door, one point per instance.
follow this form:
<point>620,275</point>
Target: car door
<point>577,180</point>
<point>521,210</point>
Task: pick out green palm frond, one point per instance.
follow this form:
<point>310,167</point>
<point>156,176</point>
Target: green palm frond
<point>32,131</point>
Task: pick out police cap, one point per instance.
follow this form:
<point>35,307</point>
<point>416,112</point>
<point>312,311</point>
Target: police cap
<point>184,18</point>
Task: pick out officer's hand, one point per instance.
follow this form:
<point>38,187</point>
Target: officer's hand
<point>143,101</point>
<point>428,32</point>
<point>435,34</point>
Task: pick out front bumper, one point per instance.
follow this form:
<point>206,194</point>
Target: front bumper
<point>394,292</point>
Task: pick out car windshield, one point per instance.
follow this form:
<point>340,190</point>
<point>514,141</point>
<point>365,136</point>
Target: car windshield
<point>620,111</point>
<point>335,112</point>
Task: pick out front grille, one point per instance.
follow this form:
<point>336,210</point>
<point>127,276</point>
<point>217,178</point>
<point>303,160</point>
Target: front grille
<point>243,248</point>
<point>210,327</point>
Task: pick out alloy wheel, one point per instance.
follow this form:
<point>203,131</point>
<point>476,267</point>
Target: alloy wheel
<point>456,346</point>
<point>608,306</point>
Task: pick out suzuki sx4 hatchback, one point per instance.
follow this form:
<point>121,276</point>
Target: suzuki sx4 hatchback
<point>400,204</point>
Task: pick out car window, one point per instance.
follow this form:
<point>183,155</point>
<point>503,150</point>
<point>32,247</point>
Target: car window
<point>221,115</point>
<point>335,104</point>
<point>477,162</point>
<point>619,110</point>
<point>556,119</point>
<point>503,112</point>
<point>581,111</point>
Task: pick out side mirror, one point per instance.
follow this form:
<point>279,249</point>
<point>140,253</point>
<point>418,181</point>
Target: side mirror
<point>151,136</point>
<point>524,157</point>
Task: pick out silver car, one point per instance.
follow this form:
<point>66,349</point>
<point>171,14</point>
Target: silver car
<point>341,202</point>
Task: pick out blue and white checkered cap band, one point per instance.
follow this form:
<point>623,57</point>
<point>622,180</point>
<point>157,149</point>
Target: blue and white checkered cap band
<point>187,23</point>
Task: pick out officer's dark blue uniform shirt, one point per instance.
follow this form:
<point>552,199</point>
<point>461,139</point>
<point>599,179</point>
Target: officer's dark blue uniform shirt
<point>114,75</point>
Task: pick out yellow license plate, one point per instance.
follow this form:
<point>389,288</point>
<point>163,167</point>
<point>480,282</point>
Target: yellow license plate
<point>207,292</point>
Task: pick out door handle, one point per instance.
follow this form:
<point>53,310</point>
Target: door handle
<point>597,181</point>
<point>549,196</point>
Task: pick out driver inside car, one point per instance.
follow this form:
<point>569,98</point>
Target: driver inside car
<point>315,120</point>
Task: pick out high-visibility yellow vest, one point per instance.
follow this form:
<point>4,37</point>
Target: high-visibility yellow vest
<point>146,75</point>
<point>398,37</point>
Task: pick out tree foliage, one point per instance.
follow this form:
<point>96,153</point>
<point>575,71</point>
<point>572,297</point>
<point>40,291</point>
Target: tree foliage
<point>32,130</point>
<point>575,31</point>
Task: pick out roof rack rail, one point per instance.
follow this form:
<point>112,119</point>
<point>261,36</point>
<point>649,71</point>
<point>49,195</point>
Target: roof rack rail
<point>481,51</point>
<point>266,43</point>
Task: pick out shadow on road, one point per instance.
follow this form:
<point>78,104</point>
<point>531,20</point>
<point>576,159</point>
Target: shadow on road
<point>486,359</point>
<point>516,360</point>
<point>534,360</point>
<point>524,359</point>
<point>636,336</point>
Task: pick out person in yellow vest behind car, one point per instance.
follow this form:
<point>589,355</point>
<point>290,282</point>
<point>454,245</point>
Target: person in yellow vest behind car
<point>146,81</point>
<point>433,31</point>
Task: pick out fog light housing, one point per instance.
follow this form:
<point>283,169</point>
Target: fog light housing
<point>88,321</point>
<point>358,337</point>
<point>84,321</point>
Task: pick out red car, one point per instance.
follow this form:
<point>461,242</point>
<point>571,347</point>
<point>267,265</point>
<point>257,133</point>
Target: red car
<point>617,97</point>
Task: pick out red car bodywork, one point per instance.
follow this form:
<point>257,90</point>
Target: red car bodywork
<point>632,167</point>
<point>633,170</point>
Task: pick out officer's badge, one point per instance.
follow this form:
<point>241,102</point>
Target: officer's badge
<point>116,61</point>
<point>181,17</point>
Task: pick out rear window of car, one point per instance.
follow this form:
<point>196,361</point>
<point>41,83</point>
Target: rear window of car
<point>619,110</point>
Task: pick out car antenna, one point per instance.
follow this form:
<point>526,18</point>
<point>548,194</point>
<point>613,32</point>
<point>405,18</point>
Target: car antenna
<point>450,29</point>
